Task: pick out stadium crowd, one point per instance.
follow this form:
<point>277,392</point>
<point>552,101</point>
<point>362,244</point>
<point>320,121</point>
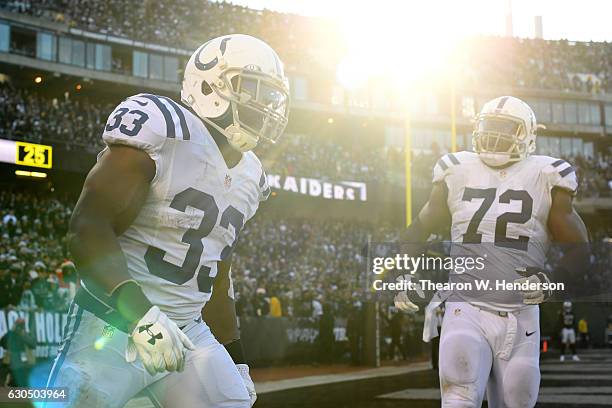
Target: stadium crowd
<point>29,116</point>
<point>301,262</point>
<point>33,252</point>
<point>298,260</point>
<point>76,123</point>
<point>534,63</point>
<point>328,159</point>
<point>594,175</point>
<point>166,22</point>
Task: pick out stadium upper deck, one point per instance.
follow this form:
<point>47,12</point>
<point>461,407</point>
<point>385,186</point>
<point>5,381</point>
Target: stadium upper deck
<point>87,63</point>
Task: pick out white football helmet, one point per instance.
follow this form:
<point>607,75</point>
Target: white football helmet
<point>567,306</point>
<point>504,131</point>
<point>237,84</point>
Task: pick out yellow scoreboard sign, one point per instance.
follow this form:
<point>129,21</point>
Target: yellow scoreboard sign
<point>34,155</point>
<point>26,154</point>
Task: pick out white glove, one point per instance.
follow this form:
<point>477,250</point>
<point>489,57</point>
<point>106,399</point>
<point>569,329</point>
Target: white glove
<point>401,300</point>
<point>533,275</point>
<point>159,342</point>
<point>243,369</point>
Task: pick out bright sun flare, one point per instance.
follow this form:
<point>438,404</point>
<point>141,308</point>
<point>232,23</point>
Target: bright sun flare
<point>404,42</point>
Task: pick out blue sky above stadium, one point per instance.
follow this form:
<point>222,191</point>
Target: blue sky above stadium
<point>584,20</point>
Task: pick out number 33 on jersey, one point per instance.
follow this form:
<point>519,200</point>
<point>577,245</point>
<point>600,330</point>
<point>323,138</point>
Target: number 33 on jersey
<point>196,206</point>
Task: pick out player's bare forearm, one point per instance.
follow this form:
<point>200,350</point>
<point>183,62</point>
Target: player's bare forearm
<point>94,245</point>
<point>111,198</point>
<point>219,313</point>
<point>564,223</point>
<point>567,228</point>
<point>433,217</point>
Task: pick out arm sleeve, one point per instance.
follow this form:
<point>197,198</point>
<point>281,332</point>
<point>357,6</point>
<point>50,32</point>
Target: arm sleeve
<point>561,174</point>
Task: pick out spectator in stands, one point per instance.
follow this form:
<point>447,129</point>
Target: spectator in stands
<point>326,339</point>
<point>275,307</point>
<point>12,286</point>
<point>28,301</point>
<point>397,326</point>
<point>261,304</point>
<point>354,332</point>
<point>69,278</point>
<point>41,288</point>
<point>19,346</point>
<point>583,334</point>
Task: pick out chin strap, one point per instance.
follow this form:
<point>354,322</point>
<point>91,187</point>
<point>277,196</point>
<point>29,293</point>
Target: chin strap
<point>496,160</point>
<point>240,139</point>
<point>237,138</point>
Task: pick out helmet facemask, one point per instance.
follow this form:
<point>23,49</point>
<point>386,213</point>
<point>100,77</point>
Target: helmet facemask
<point>259,104</point>
<point>500,139</point>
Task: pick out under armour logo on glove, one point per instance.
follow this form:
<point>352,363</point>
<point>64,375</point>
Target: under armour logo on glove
<point>159,343</point>
<point>154,337</point>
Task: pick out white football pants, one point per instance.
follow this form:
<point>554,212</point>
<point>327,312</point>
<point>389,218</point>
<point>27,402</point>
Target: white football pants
<point>568,335</point>
<point>485,350</point>
<point>91,364</point>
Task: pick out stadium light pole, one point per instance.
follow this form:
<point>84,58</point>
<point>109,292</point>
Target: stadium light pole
<point>407,165</point>
<point>453,114</point>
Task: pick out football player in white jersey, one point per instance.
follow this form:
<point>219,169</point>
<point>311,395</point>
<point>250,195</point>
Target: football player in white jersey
<point>157,221</point>
<point>568,331</point>
<point>508,204</point>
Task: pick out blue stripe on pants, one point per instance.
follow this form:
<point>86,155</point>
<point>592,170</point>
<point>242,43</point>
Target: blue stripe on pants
<point>66,345</point>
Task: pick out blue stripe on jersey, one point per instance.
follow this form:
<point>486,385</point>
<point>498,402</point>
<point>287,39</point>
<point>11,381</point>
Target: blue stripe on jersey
<point>170,132</point>
<point>558,163</point>
<point>567,171</point>
<point>66,345</point>
<point>181,116</point>
<point>442,164</point>
<point>262,179</point>
<point>453,158</point>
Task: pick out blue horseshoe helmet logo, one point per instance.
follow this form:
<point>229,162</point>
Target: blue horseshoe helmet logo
<point>205,66</point>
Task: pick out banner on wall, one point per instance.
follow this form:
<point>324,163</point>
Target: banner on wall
<point>46,327</point>
<point>313,187</point>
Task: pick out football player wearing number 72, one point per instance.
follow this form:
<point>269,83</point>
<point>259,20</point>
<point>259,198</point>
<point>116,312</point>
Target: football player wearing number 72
<point>502,201</point>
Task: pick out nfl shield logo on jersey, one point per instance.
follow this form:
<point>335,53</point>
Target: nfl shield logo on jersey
<point>228,181</point>
<point>108,331</point>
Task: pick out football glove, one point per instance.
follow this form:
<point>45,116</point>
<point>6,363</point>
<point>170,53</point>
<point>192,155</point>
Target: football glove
<point>532,274</point>
<point>402,301</point>
<point>243,369</point>
<point>159,343</point>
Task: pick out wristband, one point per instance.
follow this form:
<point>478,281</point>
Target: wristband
<point>236,351</point>
<point>130,301</point>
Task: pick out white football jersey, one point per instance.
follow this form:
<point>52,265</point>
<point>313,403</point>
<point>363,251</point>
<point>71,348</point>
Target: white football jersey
<point>195,208</point>
<point>501,215</point>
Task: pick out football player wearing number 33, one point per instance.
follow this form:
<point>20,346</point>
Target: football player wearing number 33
<point>508,205</point>
<point>153,233</point>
